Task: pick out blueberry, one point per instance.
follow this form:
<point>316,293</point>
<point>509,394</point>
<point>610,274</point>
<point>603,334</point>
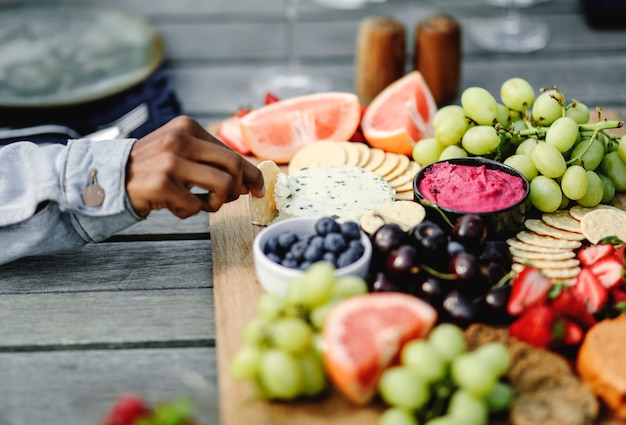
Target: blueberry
<point>357,246</point>
<point>274,257</point>
<point>326,225</point>
<point>351,230</point>
<point>335,242</point>
<point>271,246</point>
<point>292,264</point>
<point>297,249</point>
<point>317,241</point>
<point>348,257</point>
<point>330,257</point>
<point>305,265</point>
<point>313,253</point>
<point>286,239</point>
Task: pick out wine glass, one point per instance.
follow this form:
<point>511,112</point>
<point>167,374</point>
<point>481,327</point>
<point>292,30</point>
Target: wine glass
<point>291,79</point>
<point>512,32</point>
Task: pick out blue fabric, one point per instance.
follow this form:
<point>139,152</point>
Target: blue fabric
<point>156,91</point>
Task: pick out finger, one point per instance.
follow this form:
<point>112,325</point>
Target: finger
<point>152,192</point>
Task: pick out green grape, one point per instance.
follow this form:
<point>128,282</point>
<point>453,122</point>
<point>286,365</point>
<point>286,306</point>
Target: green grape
<point>504,116</point>
<point>312,372</point>
<point>348,286</point>
<point>545,194</point>
<point>526,147</point>
<point>565,201</point>
<point>450,129</point>
<point>480,140</point>
<point>500,398</point>
<point>270,306</point>
<point>444,420</point>
<point>578,112</point>
<point>479,105</point>
<point>548,107</point>
<point>318,314</point>
<point>614,168</point>
<point>280,374</point>
<point>453,151</point>
<point>295,294</point>
<point>318,284</point>
<point>592,156</point>
<point>562,134</point>
<point>447,111</point>
<point>548,160</point>
<point>245,363</point>
<point>427,151</point>
<point>420,356</point>
<point>469,372</point>
<point>574,183</point>
<point>517,94</point>
<point>468,408</point>
<point>523,164</point>
<point>595,191</point>
<point>448,340</point>
<point>397,416</point>
<point>256,330</point>
<point>621,148</point>
<point>400,386</point>
<point>496,354</point>
<point>291,334</point>
<point>608,186</point>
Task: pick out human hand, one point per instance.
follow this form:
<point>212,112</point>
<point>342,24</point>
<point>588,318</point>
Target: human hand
<point>165,164</point>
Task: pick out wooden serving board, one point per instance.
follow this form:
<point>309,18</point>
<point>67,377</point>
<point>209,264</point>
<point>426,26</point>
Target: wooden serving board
<point>236,290</point>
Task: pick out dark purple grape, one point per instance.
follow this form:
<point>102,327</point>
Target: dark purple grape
<point>351,230</point>
<point>382,283</point>
<point>335,242</point>
<point>326,225</point>
<point>432,289</point>
<point>496,251</point>
<point>463,265</point>
<point>459,309</point>
<point>402,261</point>
<point>470,230</point>
<point>388,237</point>
<point>493,306</point>
<point>492,272</point>
<point>430,240</point>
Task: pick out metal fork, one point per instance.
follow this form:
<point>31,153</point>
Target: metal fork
<point>123,126</point>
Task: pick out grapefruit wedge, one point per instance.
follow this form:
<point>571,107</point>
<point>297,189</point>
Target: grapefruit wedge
<point>400,115</point>
<point>229,132</point>
<point>364,335</point>
<point>278,130</point>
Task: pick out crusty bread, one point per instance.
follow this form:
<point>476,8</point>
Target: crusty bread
<point>601,363</point>
<point>547,391</point>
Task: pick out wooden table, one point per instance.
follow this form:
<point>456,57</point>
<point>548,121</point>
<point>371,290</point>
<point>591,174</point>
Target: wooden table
<point>140,312</point>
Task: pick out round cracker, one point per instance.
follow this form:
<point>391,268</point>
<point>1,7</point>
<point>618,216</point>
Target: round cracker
<point>516,243</point>
<point>533,255</point>
<point>562,219</point>
<point>377,157</point>
<point>601,223</point>
<point>391,161</point>
<point>542,228</point>
<point>407,176</point>
<point>406,195</point>
<point>546,241</point>
<point>263,210</point>
<point>549,264</point>
<point>353,154</point>
<point>401,168</point>
<point>553,274</point>
<point>578,211</point>
<point>364,153</point>
<point>322,152</point>
<point>405,214</point>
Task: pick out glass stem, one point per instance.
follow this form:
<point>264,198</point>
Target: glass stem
<point>291,22</point>
<point>512,20</point>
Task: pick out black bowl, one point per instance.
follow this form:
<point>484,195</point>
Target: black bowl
<point>501,223</point>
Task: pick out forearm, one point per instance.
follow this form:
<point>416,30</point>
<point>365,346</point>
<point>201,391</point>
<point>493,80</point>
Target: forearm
<point>53,178</point>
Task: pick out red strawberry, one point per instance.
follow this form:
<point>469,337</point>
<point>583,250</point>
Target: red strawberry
<point>609,271</point>
<point>242,112</point>
<point>530,288</point>
<point>127,410</point>
<point>572,333</point>
<point>619,253</point>
<point>535,326</point>
<point>270,98</point>
<point>588,255</point>
<point>570,304</point>
<point>589,289</point>
<point>617,295</point>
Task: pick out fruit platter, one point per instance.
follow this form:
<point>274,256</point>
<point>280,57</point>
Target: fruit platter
<point>471,311</point>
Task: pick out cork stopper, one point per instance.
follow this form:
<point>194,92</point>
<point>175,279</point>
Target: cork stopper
<point>380,56</point>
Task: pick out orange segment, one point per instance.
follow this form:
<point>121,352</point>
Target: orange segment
<point>278,130</point>
<point>400,115</point>
<point>364,335</point>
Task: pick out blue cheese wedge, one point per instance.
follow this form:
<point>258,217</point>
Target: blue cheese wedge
<point>342,191</point>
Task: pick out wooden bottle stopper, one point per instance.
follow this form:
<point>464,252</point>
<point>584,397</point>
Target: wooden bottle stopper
<point>380,55</point>
<point>437,56</point>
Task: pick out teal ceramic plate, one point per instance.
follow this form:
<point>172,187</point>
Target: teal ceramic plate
<point>59,55</point>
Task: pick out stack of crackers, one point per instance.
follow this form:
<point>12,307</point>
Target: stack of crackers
<point>398,170</point>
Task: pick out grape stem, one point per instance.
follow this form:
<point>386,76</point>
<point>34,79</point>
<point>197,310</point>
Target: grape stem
<point>427,203</point>
<point>602,125</point>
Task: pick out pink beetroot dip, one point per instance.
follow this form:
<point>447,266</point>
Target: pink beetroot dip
<point>468,188</point>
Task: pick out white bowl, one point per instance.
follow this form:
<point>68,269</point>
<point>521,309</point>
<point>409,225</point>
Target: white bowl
<point>275,278</point>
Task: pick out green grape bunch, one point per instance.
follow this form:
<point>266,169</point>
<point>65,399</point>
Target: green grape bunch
<point>549,139</point>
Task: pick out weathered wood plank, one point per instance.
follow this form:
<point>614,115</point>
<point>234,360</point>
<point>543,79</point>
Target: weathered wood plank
<point>107,319</point>
<point>77,388</point>
<point>120,266</point>
<point>163,224</point>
